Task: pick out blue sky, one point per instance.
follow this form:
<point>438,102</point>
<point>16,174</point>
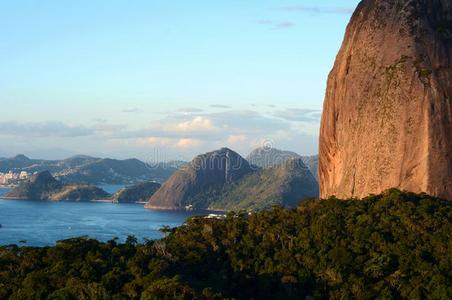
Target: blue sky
<point>164,79</point>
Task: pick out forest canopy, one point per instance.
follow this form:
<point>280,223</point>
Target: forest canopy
<point>394,245</point>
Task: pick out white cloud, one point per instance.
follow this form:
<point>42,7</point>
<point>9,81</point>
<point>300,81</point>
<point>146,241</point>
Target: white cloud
<point>235,139</point>
<point>154,141</point>
<point>196,124</point>
<point>44,129</point>
<point>188,143</point>
<point>175,134</point>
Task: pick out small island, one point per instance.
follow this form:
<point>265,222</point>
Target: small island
<point>44,187</point>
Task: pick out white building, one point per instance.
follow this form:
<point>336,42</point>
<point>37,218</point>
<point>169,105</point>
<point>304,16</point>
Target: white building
<point>2,179</point>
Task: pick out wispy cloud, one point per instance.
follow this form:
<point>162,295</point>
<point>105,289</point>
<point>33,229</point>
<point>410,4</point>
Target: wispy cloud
<point>131,110</point>
<point>299,115</point>
<point>277,24</point>
<point>318,9</point>
<point>209,126</point>
<point>44,129</point>
<point>177,133</point>
<point>190,110</point>
<point>219,106</point>
<point>284,24</point>
<point>265,22</point>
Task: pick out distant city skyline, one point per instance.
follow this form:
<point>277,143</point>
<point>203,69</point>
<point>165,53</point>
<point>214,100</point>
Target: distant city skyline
<point>159,80</point>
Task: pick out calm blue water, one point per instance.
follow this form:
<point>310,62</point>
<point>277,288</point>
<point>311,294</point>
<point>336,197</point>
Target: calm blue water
<point>44,223</point>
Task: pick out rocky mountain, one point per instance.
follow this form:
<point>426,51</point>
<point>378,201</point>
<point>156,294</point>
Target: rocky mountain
<point>285,185</point>
<point>312,162</point>
<point>141,192</point>
<point>387,119</point>
<point>43,186</point>
<point>224,180</point>
<point>39,187</point>
<point>272,157</point>
<point>92,170</point>
<point>186,186</point>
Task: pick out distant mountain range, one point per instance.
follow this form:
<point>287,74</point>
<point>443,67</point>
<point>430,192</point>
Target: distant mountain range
<point>43,186</point>
<point>219,180</point>
<point>224,180</point>
<point>92,170</point>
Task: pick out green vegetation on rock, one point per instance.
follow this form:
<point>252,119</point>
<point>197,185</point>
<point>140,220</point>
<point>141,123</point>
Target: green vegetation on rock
<point>137,193</point>
<point>284,185</point>
<point>79,193</point>
<point>271,157</point>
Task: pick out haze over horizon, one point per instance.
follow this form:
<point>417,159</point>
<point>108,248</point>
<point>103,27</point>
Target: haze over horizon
<point>156,81</point>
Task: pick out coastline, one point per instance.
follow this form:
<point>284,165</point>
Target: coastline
<point>67,200</point>
<point>168,208</point>
<point>13,198</point>
<point>164,208</point>
<point>152,208</point>
<point>50,200</point>
<point>99,201</point>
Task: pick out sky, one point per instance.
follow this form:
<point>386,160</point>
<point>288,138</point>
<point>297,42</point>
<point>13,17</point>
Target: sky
<point>163,80</point>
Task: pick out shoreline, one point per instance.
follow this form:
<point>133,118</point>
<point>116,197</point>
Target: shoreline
<point>14,198</point>
<point>161,208</point>
<point>96,201</point>
<point>152,208</point>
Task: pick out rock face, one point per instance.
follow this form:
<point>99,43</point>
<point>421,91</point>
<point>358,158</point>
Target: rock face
<point>387,119</point>
<point>209,170</point>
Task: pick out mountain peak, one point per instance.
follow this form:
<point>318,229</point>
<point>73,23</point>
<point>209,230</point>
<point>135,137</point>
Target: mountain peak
<point>38,187</point>
<point>21,158</point>
<point>270,157</point>
<point>215,168</point>
<point>42,177</point>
